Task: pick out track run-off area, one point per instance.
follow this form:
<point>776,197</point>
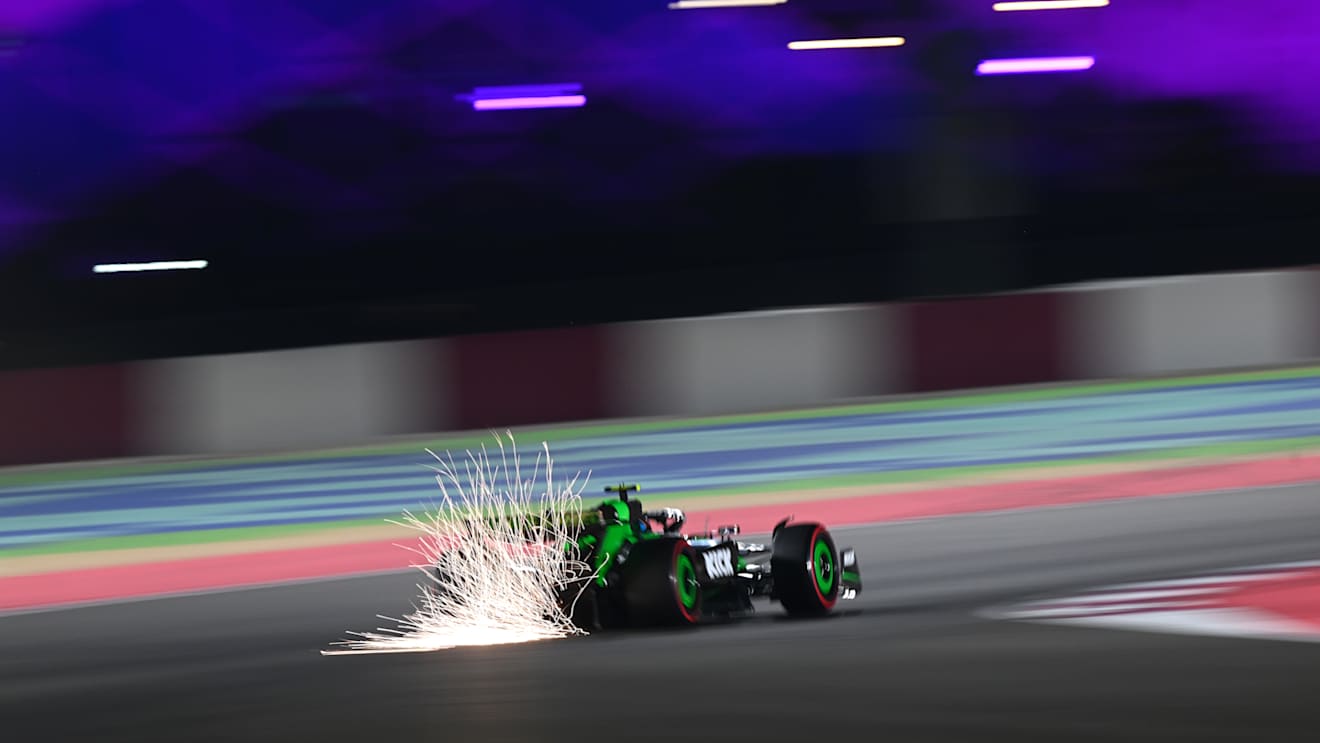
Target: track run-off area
<point>1134,561</point>
<point>915,658</point>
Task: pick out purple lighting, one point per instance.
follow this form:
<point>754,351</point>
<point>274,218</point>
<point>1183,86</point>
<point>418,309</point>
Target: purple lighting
<point>545,101</point>
<point>518,91</point>
<point>506,97</point>
<point>1034,64</point>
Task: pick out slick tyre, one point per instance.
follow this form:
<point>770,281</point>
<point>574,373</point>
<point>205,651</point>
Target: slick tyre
<point>660,585</point>
<point>806,571</point>
<point>581,604</point>
<point>441,584</point>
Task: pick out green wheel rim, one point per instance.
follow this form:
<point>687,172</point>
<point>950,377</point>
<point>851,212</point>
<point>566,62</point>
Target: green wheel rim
<point>822,559</point>
<point>686,574</point>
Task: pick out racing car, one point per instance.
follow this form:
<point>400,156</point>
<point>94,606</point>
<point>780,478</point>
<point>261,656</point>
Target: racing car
<point>644,571</point>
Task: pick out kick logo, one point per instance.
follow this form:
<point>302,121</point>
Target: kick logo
<point>719,562</point>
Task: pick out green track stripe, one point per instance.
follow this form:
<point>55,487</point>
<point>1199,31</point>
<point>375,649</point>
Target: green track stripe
<point>180,538</point>
<point>1188,455</point>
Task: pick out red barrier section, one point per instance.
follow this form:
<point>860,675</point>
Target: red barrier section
<point>49,415</point>
<point>543,376</point>
<point>985,342</point>
<point>1132,329</point>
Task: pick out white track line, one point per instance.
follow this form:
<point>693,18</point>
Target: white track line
<point>1233,622</point>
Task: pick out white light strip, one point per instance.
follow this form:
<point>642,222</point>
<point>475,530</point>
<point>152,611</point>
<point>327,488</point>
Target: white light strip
<point>152,266</point>
<point>1049,5</point>
<point>882,41</point>
<point>1034,65</point>
<point>695,4</point>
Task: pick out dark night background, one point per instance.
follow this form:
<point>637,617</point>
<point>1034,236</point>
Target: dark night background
<point>1086,513</point>
<point>313,152</point>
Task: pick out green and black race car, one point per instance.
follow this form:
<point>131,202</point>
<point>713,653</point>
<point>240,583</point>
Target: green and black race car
<point>644,571</point>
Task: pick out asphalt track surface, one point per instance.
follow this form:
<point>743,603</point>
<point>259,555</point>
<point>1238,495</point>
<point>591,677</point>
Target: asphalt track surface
<point>910,661</point>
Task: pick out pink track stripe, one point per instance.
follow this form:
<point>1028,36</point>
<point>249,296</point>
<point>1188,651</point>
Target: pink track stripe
<point>1011,496</point>
<point>200,574</point>
<point>197,574</point>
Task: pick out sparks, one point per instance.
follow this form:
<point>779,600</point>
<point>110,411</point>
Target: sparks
<point>496,554</point>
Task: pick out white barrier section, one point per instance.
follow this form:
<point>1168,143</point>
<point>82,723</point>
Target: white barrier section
<point>1193,323</point>
<point>301,398</point>
<point>745,362</point>
<point>754,361</point>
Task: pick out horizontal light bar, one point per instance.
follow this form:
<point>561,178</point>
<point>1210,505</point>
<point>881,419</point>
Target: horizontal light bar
<point>695,4</point>
<point>1034,64</point>
<point>1049,5</point>
<point>547,101</point>
<point>506,97</point>
<point>152,266</point>
<point>880,41</point>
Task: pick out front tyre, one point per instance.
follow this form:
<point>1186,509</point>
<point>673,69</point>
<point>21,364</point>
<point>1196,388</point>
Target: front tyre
<point>805,569</point>
<point>660,583</point>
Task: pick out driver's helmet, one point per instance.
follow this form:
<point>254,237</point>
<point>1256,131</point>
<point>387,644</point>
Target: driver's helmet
<point>623,512</point>
<point>614,512</point>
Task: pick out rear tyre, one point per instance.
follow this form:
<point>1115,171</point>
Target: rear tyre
<point>805,568</point>
<point>579,602</point>
<point>660,584</point>
<point>440,584</point>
